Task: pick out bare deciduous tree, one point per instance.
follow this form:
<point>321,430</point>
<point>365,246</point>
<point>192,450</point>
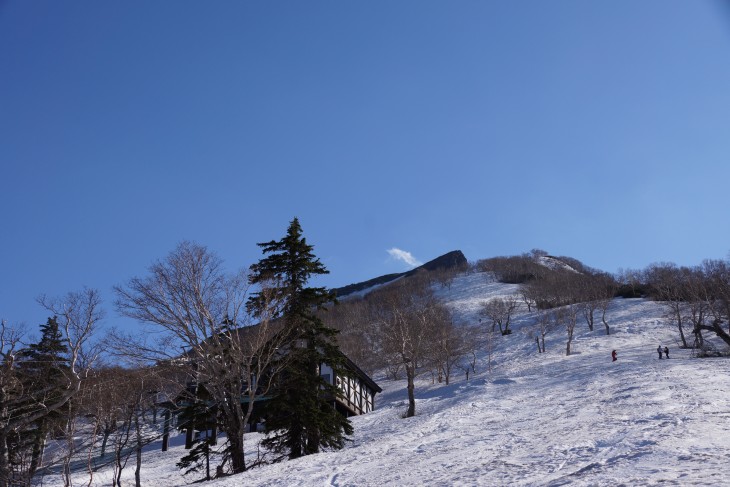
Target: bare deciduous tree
<point>358,333</point>
<point>101,404</point>
<point>708,288</point>
<point>594,292</point>
<point>631,283</point>
<point>445,276</point>
<point>588,310</point>
<point>513,269</point>
<point>527,297</point>
<point>472,344</point>
<point>499,312</point>
<point>21,405</point>
<point>10,391</point>
<point>129,438</point>
<point>450,344</point>
<point>668,282</point>
<point>196,307</point>
<point>490,343</point>
<point>605,291</point>
<point>409,316</point>
<point>568,315</point>
<point>546,322</point>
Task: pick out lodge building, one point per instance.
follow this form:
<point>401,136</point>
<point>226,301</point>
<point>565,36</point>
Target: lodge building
<point>358,397</point>
<point>358,389</point>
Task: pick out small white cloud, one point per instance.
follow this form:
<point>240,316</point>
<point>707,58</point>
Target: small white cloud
<point>405,256</point>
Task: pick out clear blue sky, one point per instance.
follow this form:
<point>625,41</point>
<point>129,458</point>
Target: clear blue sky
<point>597,130</point>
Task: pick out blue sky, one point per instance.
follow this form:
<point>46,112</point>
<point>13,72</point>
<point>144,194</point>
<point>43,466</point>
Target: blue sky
<point>597,130</point>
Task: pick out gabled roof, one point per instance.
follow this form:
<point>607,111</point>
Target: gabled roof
<point>361,374</point>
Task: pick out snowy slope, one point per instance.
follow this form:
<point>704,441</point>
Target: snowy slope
<point>536,419</point>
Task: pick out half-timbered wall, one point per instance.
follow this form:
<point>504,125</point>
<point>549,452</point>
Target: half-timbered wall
<point>357,397</point>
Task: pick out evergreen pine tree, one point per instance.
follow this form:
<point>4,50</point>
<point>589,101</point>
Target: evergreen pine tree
<point>300,417</point>
<point>199,416</point>
<point>47,357</point>
<point>43,367</point>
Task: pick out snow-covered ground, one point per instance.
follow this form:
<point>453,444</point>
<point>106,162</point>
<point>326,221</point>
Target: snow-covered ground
<point>535,419</point>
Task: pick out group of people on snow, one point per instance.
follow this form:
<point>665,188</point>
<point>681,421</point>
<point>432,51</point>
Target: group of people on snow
<point>659,350</point>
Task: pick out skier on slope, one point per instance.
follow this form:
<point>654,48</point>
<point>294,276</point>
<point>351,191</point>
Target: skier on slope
<point>613,355</point>
<point>659,351</point>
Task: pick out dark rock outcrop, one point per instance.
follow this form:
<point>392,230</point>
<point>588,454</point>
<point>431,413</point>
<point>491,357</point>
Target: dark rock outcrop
<point>453,260</point>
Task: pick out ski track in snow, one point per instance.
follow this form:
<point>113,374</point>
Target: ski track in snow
<point>534,420</point>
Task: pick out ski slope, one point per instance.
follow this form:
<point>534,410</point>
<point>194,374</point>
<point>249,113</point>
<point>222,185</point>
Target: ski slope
<point>533,420</point>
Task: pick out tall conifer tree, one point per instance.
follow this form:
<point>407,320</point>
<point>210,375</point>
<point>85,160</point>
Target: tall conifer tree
<point>43,368</point>
<point>301,418</point>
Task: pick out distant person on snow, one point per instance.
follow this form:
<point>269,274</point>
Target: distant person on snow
<point>613,355</point>
<point>659,351</point>
<point>666,352</point>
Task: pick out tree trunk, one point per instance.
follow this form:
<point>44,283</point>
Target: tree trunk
<point>38,445</point>
<point>295,446</point>
<point>724,336</point>
<point>410,375</point>
<point>214,434</point>
<point>104,440</point>
<point>4,461</point>
<point>90,455</point>
<point>165,431</point>
<point>681,332</point>
<point>605,323</point>
<point>238,459</point>
<point>234,422</point>
<point>189,437</point>
<point>589,318</point>
<point>71,448</point>
<point>715,328</point>
<point>313,439</point>
<point>699,339</point>
<point>567,346</point>
<point>138,451</point>
<point>119,444</point>
<point>67,473</point>
<point>207,456</point>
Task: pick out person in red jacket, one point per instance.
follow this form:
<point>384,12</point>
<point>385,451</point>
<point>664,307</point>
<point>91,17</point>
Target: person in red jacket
<point>613,355</point>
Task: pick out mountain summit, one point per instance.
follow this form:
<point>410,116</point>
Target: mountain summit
<point>452,260</point>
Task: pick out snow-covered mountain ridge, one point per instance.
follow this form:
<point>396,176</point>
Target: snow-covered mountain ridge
<point>534,419</point>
